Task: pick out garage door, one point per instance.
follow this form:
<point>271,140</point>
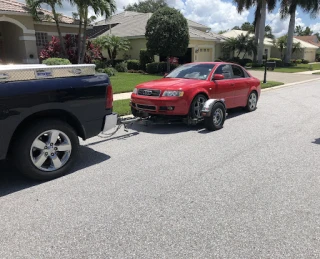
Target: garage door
<point>310,55</point>
<point>205,55</point>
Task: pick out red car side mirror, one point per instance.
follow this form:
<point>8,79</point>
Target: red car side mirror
<point>218,77</point>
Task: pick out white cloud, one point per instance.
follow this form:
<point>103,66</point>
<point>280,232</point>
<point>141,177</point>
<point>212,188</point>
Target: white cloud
<point>222,15</point>
<point>315,27</point>
<point>279,26</point>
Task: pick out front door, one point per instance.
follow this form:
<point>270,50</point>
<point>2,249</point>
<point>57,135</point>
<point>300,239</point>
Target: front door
<point>224,89</point>
<point>241,86</point>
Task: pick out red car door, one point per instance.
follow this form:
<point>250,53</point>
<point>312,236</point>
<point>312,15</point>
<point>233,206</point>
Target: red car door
<point>241,86</point>
<point>223,88</point>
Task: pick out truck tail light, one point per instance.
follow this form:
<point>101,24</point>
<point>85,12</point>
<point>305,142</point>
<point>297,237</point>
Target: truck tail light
<point>109,97</point>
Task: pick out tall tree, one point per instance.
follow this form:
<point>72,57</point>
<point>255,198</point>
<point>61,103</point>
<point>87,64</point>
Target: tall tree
<point>100,7</point>
<point>35,5</point>
<point>289,8</point>
<point>300,31</point>
<point>247,27</point>
<point>167,34</point>
<point>260,19</point>
<point>147,6</point>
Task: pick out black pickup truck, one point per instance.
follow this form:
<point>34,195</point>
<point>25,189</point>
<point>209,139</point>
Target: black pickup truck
<point>42,119</point>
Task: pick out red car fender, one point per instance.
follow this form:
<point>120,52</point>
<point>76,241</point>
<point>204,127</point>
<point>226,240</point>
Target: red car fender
<point>191,94</point>
<point>255,86</point>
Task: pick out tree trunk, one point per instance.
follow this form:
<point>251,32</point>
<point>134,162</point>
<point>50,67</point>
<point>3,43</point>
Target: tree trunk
<point>168,64</point>
<point>290,36</point>
<point>262,30</point>
<point>257,30</point>
<point>79,39</point>
<point>84,40</point>
<point>63,47</point>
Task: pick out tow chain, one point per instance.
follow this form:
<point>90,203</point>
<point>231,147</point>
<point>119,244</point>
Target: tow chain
<point>121,123</point>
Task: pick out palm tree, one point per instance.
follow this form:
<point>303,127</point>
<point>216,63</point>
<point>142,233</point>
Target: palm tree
<point>35,5</point>
<point>260,19</point>
<point>100,7</point>
<point>230,45</point>
<point>281,44</point>
<point>112,44</point>
<point>289,8</point>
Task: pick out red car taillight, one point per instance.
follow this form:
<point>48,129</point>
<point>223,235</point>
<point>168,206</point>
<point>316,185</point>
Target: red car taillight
<point>109,97</point>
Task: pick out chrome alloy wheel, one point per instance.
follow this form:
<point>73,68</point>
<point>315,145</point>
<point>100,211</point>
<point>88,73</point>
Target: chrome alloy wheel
<point>51,150</point>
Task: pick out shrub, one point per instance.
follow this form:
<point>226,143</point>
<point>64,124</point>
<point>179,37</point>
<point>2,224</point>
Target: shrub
<point>298,61</point>
<point>99,64</point>
<point>249,65</point>
<point>56,61</point>
<point>244,61</point>
<point>100,70</point>
<point>110,71</point>
<point>279,62</point>
<point>115,62</point>
<point>305,61</point>
<point>218,60</point>
<point>122,67</point>
<point>159,67</point>
<point>145,58</point>
<point>254,64</point>
<point>133,64</point>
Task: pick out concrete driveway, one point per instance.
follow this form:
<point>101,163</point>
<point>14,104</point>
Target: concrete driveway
<point>286,78</point>
<point>249,190</point>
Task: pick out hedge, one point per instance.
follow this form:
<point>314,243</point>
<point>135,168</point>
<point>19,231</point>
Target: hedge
<point>159,67</point>
<point>145,58</point>
<point>133,64</point>
<point>56,61</point>
<point>279,62</point>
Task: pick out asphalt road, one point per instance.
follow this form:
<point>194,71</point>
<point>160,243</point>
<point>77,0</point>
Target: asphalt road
<point>250,190</point>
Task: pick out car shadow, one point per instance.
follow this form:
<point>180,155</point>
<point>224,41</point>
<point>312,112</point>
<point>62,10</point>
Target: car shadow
<point>12,181</point>
<point>175,128</point>
<point>316,141</point>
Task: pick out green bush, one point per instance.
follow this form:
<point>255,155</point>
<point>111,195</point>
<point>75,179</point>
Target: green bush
<point>133,64</point>
<point>298,61</point>
<point>122,67</point>
<point>159,67</point>
<point>218,60</point>
<point>244,61</point>
<point>110,71</point>
<point>254,64</point>
<point>99,64</point>
<point>115,62</point>
<point>56,61</point>
<point>249,65</point>
<point>305,61</point>
<point>145,58</point>
<point>279,62</point>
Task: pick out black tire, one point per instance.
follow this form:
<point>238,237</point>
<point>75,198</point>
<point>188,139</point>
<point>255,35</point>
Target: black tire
<point>22,149</point>
<point>217,117</point>
<point>195,109</point>
<point>134,112</point>
<point>250,106</point>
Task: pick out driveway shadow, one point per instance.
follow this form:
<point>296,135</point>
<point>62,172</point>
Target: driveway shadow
<point>12,181</point>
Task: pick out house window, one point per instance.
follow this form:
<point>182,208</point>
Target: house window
<point>41,39</point>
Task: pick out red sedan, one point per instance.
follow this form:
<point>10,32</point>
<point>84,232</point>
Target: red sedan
<point>184,91</point>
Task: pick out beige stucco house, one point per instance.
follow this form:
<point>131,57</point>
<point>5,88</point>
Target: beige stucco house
<point>204,45</point>
<point>308,50</point>
<point>21,37</point>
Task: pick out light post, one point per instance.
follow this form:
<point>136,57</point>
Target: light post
<point>265,66</point>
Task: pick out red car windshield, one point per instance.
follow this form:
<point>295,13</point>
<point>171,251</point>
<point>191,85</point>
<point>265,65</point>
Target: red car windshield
<point>192,71</point>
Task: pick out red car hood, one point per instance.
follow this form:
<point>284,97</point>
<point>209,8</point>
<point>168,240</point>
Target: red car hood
<point>172,83</point>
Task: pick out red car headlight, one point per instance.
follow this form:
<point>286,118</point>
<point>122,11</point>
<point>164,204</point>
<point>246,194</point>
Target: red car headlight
<point>173,93</point>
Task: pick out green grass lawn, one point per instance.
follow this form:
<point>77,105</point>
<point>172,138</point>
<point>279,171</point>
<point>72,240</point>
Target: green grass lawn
<point>126,82</point>
<point>270,84</point>
<point>298,68</point>
<point>122,106</point>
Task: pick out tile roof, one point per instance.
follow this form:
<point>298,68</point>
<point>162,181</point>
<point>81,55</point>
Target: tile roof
<point>14,6</point>
<point>236,33</point>
<point>133,24</point>
<point>310,39</point>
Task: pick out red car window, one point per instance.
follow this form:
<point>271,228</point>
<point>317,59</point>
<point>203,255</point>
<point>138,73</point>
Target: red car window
<point>224,70</point>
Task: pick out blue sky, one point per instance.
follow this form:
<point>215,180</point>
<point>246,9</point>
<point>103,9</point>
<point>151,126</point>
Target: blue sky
<point>222,15</point>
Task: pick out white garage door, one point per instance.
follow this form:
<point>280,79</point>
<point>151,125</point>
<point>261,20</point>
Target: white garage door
<point>310,55</point>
